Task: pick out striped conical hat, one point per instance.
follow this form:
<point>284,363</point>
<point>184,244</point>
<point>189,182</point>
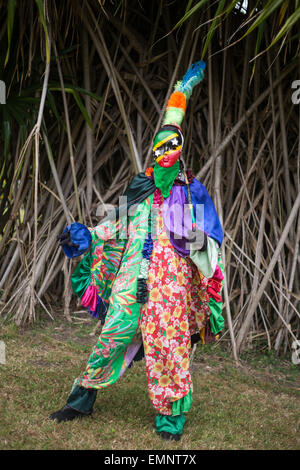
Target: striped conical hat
<point>183,89</point>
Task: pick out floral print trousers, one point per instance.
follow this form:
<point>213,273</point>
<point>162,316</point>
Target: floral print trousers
<point>177,308</point>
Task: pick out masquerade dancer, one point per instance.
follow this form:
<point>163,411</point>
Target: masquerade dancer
<point>152,272</point>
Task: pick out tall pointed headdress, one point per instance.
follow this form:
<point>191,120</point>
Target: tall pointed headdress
<point>183,89</point>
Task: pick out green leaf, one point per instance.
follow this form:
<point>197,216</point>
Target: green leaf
<point>213,27</point>
<point>52,105</point>
<point>293,19</point>
<point>73,91</point>
<point>11,8</point>
<point>40,5</point>
<point>265,13</point>
<point>257,45</point>
<point>86,92</point>
<point>56,86</point>
<point>79,103</point>
<point>189,13</point>
<point>231,7</point>
<point>282,11</point>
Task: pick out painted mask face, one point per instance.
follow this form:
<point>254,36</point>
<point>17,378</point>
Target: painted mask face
<point>167,147</point>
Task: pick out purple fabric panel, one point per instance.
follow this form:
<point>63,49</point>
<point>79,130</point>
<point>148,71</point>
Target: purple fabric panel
<point>177,220</point>
<point>209,218</point>
<point>129,356</point>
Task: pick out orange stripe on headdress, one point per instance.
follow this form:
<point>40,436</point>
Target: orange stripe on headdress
<point>177,100</point>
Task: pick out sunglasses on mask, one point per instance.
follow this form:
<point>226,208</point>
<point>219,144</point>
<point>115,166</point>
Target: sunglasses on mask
<point>173,144</point>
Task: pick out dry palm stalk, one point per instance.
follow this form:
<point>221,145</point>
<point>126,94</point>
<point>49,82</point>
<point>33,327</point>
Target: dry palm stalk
<point>215,141</point>
<point>70,144</point>
<point>89,134</point>
<point>245,327</point>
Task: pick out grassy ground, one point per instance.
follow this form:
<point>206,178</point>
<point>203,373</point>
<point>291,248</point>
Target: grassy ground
<point>255,406</point>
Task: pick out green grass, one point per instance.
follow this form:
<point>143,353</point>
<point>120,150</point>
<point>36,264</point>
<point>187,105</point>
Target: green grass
<point>255,406</point>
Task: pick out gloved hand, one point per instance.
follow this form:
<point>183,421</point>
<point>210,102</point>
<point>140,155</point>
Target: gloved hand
<point>65,240</point>
<point>75,239</point>
<point>197,239</point>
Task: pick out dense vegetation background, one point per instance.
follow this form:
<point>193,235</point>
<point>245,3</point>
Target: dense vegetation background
<point>86,84</point>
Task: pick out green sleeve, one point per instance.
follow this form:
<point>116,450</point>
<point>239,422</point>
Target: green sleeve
<point>100,265</point>
<point>206,261</point>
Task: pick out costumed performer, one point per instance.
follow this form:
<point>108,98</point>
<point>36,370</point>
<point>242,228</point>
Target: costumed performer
<point>153,274</point>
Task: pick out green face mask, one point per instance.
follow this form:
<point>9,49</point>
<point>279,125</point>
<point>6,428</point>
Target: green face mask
<point>165,177</point>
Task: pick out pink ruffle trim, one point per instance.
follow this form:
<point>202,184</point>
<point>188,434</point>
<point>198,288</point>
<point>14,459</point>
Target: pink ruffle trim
<point>218,275</point>
<point>89,298</point>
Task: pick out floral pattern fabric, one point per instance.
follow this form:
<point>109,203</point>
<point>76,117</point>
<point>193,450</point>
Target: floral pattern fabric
<point>177,307</point>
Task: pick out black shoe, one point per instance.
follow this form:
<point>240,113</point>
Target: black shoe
<point>66,414</point>
<point>169,436</point>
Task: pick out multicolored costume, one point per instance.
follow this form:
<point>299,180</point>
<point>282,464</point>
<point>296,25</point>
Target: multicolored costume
<point>153,274</point>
